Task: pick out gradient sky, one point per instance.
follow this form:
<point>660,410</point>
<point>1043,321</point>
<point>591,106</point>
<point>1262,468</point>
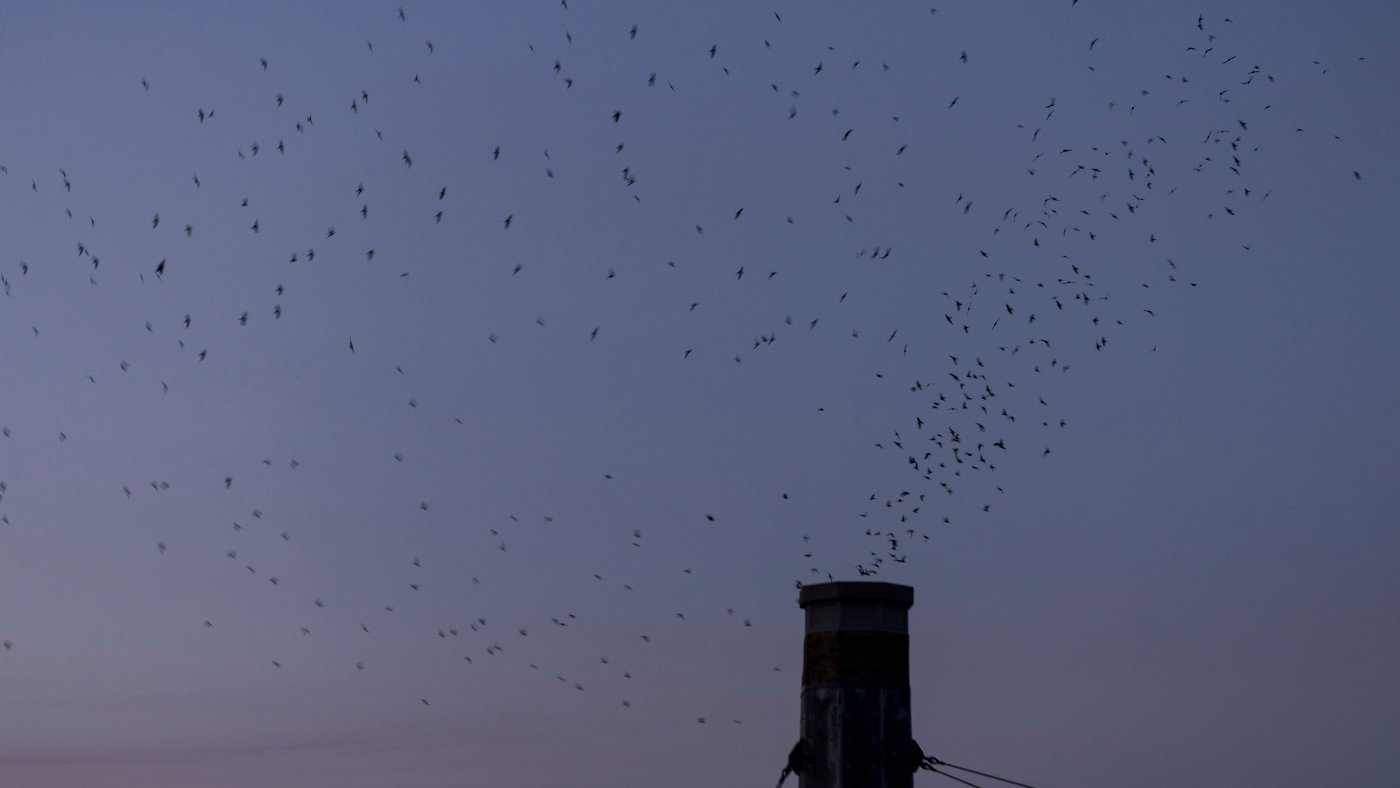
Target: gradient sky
<point>1194,581</point>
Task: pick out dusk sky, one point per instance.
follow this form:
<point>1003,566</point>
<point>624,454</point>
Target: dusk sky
<point>457,394</point>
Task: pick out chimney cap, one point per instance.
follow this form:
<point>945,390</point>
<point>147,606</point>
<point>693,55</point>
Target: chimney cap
<point>852,590</point>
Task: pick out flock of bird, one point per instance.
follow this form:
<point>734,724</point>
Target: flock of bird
<point>967,386</point>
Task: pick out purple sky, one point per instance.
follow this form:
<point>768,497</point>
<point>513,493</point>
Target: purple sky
<point>1194,581</point>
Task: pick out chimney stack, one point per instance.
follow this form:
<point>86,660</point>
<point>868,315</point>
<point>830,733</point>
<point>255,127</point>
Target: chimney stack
<point>855,687</point>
